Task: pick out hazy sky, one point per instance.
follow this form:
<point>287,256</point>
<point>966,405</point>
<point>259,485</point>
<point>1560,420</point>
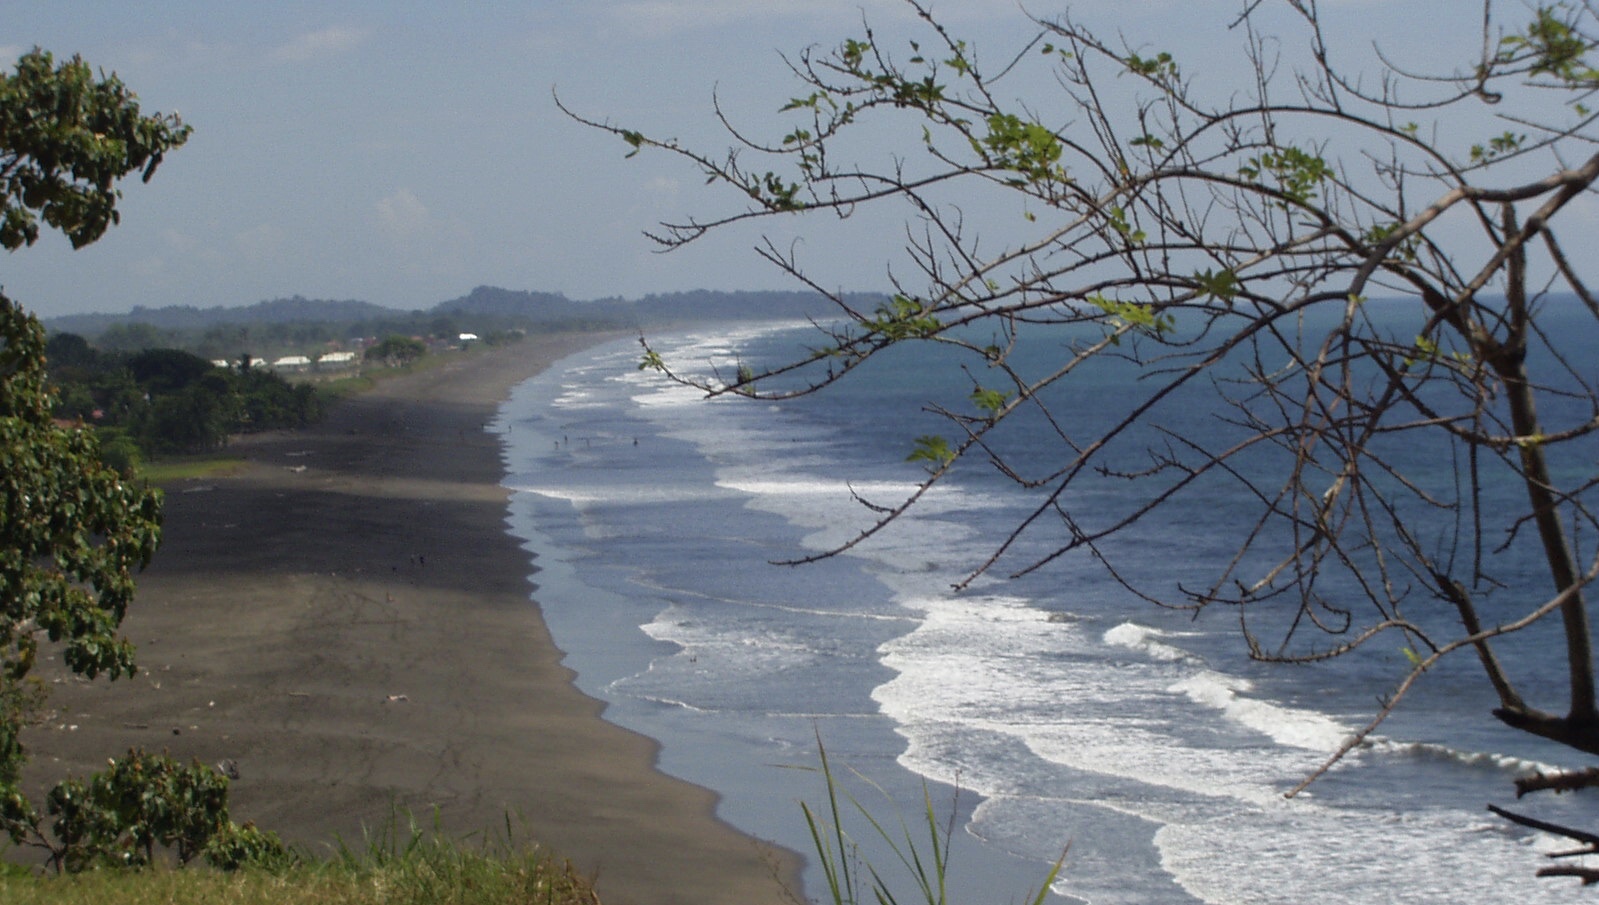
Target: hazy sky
<point>405,152</point>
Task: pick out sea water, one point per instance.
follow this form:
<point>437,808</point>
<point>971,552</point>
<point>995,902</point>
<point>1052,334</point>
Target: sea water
<point>1051,713</point>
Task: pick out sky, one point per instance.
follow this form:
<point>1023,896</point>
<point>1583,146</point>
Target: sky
<point>403,153</point>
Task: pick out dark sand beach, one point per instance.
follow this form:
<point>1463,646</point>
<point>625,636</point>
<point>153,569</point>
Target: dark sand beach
<point>346,619</point>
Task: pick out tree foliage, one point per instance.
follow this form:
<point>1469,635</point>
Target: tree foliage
<point>72,534</point>
<point>143,804</point>
<point>1224,235</point>
<point>396,350</point>
<point>66,137</point>
<point>73,531</point>
<point>169,400</point>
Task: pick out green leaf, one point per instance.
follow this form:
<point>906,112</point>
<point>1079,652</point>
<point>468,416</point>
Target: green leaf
<point>1143,317</point>
<point>1221,285</point>
<point>1553,45</point>
<point>1498,146</point>
<point>990,401</point>
<point>1159,68</point>
<point>1116,219</point>
<point>1025,147</point>
<point>904,318</point>
<point>1297,174</point>
<point>932,448</point>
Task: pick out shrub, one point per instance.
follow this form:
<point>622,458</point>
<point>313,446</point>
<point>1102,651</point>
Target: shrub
<point>141,803</point>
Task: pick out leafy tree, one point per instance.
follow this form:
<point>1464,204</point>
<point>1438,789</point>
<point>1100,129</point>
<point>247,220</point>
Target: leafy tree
<point>195,418</point>
<point>396,350</point>
<point>109,387</point>
<point>161,371</point>
<point>66,137</point>
<point>223,341</point>
<point>268,401</point>
<point>69,350</point>
<point>1225,238</point>
<point>72,535</point>
<point>193,405</point>
<point>119,451</point>
<point>170,400</point>
<point>72,530</point>
<point>142,802</point>
<point>133,337</point>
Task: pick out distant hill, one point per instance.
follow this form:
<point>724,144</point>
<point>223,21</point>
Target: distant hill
<point>489,304</point>
<point>530,307</point>
<point>706,305</point>
<point>677,307</point>
<point>297,309</point>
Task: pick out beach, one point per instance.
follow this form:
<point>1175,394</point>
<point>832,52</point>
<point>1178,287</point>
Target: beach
<point>346,620</point>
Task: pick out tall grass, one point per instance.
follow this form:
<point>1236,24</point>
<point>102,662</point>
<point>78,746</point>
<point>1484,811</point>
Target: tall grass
<point>922,853</point>
<point>413,866</point>
<point>399,864</point>
<point>403,863</point>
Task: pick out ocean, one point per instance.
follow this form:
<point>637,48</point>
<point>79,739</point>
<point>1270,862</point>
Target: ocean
<point>1051,713</point>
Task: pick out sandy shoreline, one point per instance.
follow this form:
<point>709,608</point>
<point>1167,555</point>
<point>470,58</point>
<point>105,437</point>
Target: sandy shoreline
<point>347,619</point>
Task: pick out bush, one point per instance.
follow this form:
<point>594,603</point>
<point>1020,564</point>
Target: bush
<point>143,802</point>
<point>119,451</point>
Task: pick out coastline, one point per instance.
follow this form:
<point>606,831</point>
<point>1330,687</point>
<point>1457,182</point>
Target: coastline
<point>347,619</point>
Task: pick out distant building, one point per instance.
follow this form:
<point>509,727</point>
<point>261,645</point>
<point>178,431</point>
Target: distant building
<point>255,363</point>
<point>336,360</point>
<point>291,363</point>
<point>469,337</point>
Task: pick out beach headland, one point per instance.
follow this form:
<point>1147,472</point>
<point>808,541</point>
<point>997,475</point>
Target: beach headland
<point>346,620</point>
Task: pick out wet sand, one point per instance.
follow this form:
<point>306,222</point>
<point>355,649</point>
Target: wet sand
<point>346,619</point>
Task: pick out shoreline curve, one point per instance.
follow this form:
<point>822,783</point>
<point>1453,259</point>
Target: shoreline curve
<point>348,620</point>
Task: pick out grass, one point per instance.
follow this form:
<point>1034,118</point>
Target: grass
<point>404,864</point>
<point>923,859</point>
<point>398,866</point>
<point>190,468</point>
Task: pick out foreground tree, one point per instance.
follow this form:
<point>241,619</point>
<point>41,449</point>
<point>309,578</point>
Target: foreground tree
<point>73,531</point>
<point>1234,240</point>
<point>73,534</point>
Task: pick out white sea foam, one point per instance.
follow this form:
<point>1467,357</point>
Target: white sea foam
<point>729,654</point>
<point>672,397</point>
<point>1138,637</point>
<point>1291,726</point>
<point>1317,854</point>
<point>588,495</point>
<point>1041,682</point>
<point>995,668</point>
<point>805,485</point>
<point>1515,767</point>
